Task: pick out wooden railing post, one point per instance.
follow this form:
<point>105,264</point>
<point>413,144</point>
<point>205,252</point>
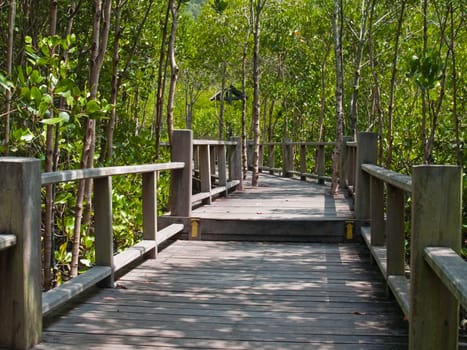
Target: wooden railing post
<point>150,209</point>
<point>366,154</point>
<point>287,161</point>
<point>20,265</point>
<point>181,181</point>
<point>213,160</point>
<point>320,163</point>
<point>271,159</point>
<point>395,231</point>
<point>235,166</point>
<point>103,226</point>
<point>436,221</point>
<point>303,162</point>
<point>222,166</point>
<point>205,170</point>
<point>377,211</point>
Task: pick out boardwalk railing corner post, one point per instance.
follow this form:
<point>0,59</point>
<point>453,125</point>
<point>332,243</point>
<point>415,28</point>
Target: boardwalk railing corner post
<point>181,179</point>
<point>20,265</point>
<point>436,221</point>
<point>367,143</point>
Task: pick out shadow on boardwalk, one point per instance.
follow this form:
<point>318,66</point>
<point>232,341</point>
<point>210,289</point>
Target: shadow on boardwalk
<point>238,295</point>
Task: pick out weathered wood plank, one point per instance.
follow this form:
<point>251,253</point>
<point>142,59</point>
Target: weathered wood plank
<point>400,287</point>
<point>81,174</point>
<point>451,269</point>
<point>239,295</point>
<point>56,297</point>
<point>379,253</point>
<point>398,180</point>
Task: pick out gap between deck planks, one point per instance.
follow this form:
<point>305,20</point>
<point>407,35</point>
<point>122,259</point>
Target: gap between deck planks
<point>238,295</point>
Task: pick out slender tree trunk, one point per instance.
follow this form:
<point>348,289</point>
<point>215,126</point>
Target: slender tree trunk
<point>424,92</point>
<point>392,88</point>
<point>244,105</point>
<point>107,150</point>
<point>175,4</point>
<point>357,70</point>
<point>162,71</point>
<point>9,66</point>
<point>455,115</point>
<point>337,19</point>
<point>376,104</point>
<point>258,6</point>
<point>220,133</point>
<point>49,161</point>
<point>322,111</point>
<point>102,11</point>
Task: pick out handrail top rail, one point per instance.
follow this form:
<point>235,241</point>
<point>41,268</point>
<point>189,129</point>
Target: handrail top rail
<point>451,269</point>
<point>90,173</point>
<point>401,181</point>
<point>298,143</point>
<point>213,143</point>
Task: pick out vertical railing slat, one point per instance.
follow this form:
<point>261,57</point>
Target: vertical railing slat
<point>103,225</point>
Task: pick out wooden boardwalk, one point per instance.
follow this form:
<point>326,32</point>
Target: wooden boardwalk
<point>238,295</point>
<point>279,209</point>
<point>278,198</point>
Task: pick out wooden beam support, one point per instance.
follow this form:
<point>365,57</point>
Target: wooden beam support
<point>366,154</point>
<point>181,182</point>
<point>103,226</point>
<point>436,221</point>
<point>20,265</point>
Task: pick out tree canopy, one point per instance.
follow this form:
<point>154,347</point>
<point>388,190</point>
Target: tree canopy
<point>86,83</point>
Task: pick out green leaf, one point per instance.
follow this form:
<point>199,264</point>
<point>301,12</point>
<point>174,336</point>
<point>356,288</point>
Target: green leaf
<point>36,94</point>
<point>64,116</point>
<point>92,107</point>
<point>51,121</point>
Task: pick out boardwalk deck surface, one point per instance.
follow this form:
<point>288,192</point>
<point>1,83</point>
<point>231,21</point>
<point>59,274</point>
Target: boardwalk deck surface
<point>238,295</point>
<point>280,210</point>
<point>278,198</point>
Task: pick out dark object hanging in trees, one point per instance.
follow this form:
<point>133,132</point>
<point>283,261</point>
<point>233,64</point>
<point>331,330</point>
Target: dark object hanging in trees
<point>230,94</point>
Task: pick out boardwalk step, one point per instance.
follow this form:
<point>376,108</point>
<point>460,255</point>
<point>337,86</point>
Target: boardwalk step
<point>319,231</point>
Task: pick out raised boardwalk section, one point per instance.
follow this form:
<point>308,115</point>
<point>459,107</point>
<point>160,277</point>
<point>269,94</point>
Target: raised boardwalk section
<point>279,209</point>
<point>239,295</point>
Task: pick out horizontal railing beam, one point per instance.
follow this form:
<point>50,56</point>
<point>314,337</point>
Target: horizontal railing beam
<point>404,182</point>
<point>213,143</point>
<point>82,174</point>
<point>451,270</point>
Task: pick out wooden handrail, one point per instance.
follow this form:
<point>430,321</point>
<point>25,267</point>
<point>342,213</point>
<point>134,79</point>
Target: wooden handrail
<point>92,173</point>
<point>22,181</point>
<point>286,165</point>
<point>404,182</point>
<point>436,270</point>
<point>451,270</point>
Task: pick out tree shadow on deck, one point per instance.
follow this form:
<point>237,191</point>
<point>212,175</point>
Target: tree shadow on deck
<point>239,295</point>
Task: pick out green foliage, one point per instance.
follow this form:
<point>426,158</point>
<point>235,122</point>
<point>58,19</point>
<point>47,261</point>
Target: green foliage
<point>425,69</point>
